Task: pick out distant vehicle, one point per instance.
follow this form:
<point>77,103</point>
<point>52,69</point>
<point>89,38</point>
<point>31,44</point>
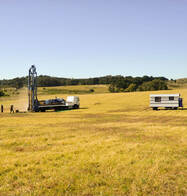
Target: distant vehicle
<point>167,101</point>
<point>73,101</point>
<point>58,104</point>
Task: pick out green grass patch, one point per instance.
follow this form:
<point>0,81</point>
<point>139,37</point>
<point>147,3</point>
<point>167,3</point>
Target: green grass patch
<point>63,91</point>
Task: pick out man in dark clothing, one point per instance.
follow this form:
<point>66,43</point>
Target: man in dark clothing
<point>11,109</point>
<point>1,108</point>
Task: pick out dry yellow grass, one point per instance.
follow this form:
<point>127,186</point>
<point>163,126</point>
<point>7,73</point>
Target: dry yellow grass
<point>113,145</point>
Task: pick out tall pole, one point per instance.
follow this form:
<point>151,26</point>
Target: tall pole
<point>32,88</point>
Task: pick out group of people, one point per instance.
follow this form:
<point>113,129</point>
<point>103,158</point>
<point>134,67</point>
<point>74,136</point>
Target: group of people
<point>11,109</point>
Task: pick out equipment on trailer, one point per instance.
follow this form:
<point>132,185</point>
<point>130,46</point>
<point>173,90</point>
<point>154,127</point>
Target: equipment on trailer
<point>56,104</point>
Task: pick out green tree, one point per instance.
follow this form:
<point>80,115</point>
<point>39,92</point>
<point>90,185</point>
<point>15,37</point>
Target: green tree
<point>154,85</point>
<point>131,88</point>
<point>2,93</point>
<point>18,83</point>
<point>113,89</point>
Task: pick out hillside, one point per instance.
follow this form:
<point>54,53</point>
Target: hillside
<point>179,83</point>
<point>182,81</point>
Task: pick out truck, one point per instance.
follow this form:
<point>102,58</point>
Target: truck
<point>58,104</point>
<point>167,101</point>
<point>35,105</point>
<point>73,102</point>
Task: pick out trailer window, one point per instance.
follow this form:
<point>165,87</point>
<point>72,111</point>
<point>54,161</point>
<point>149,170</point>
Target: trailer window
<point>157,99</point>
<point>171,98</point>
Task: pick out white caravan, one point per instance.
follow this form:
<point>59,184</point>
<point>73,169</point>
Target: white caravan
<point>168,101</point>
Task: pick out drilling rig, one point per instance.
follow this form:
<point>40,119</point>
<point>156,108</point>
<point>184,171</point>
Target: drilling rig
<point>32,89</point>
<point>34,105</point>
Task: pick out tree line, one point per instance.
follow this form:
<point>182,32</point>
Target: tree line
<point>116,83</point>
<point>48,81</point>
<point>131,84</point>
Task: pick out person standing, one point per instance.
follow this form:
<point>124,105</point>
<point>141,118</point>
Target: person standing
<point>11,109</point>
<point>2,108</point>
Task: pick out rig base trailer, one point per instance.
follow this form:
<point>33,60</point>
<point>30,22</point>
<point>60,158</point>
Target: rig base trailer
<point>57,104</point>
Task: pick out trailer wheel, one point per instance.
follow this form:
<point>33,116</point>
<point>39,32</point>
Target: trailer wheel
<point>42,110</point>
<point>155,108</point>
<point>76,106</point>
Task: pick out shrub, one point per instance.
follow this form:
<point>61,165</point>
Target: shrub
<point>131,88</point>
<point>2,93</point>
<point>113,89</point>
<point>92,90</point>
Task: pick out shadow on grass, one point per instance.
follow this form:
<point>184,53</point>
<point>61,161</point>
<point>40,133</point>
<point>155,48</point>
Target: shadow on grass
<point>84,108</point>
<point>70,109</point>
<point>171,109</point>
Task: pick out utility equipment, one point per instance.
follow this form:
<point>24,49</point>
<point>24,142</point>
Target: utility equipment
<point>32,89</point>
<point>56,104</point>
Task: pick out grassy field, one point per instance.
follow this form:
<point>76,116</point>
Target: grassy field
<point>91,89</point>
<point>114,145</point>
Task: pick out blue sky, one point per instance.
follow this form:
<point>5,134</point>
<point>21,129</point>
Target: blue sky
<point>88,38</point>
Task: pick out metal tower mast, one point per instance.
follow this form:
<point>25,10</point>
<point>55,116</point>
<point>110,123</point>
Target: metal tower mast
<point>32,89</point>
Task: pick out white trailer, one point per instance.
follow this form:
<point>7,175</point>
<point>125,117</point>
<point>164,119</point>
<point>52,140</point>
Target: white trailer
<point>168,101</point>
